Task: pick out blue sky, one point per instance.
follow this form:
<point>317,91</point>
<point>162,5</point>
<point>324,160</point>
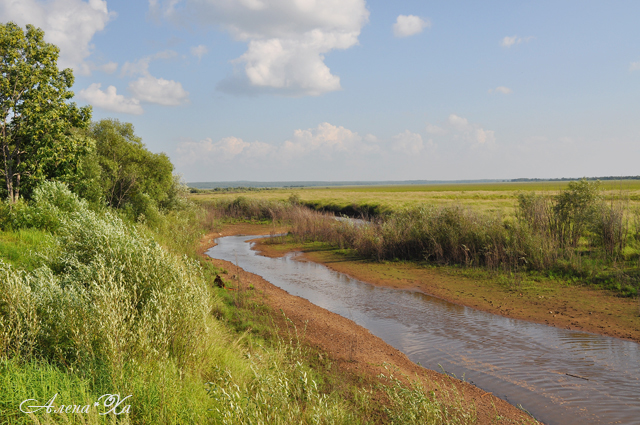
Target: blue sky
<point>360,90</point>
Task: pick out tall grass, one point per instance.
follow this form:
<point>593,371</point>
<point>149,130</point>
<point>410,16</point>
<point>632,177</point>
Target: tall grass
<point>575,233</point>
<point>412,403</point>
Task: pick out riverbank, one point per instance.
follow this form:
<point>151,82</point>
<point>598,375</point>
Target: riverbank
<point>358,355</point>
<point>545,301</point>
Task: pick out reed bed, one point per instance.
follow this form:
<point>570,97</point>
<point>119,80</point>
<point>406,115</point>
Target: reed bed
<point>576,233</point>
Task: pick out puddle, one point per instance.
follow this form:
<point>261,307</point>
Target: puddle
<point>561,377</point>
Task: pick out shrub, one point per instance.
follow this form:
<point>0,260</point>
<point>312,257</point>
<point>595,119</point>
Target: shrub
<point>108,295</point>
<point>50,201</point>
<point>575,210</point>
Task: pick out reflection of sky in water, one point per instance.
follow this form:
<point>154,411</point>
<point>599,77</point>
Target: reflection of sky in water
<point>525,363</point>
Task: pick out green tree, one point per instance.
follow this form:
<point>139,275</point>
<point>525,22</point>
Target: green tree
<point>131,175</point>
<point>37,136</point>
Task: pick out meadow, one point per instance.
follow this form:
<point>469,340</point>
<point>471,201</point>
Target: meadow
<point>495,198</point>
<point>584,231</point>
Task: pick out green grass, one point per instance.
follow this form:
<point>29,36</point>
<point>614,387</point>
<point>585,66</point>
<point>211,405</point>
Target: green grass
<point>19,248</point>
<point>498,198</point>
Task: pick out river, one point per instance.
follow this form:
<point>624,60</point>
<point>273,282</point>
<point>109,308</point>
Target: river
<point>561,377</point>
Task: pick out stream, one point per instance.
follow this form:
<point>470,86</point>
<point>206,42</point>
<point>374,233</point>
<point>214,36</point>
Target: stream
<point>561,377</point>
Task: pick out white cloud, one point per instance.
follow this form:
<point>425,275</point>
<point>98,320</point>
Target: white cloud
<point>226,149</point>
<point>69,24</point>
<point>287,39</point>
<point>110,100</point>
<point>407,25</point>
<point>370,138</point>
<point>141,66</point>
<point>462,129</point>
<point>511,41</point>
<point>331,151</point>
<point>634,66</point>
<point>150,89</point>
<point>407,143</point>
<point>434,129</point>
<point>484,137</point>
<point>326,139</point>
<point>458,122</point>
<point>109,67</point>
<point>458,130</point>
<point>199,51</point>
<point>501,89</point>
<point>324,142</point>
<point>158,90</point>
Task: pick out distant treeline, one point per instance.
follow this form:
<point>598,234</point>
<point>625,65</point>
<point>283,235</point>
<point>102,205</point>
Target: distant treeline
<point>237,189</point>
<point>298,184</point>
<point>567,179</point>
<point>251,185</point>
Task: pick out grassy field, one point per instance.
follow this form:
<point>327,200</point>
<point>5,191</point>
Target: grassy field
<point>486,197</point>
<point>580,230</point>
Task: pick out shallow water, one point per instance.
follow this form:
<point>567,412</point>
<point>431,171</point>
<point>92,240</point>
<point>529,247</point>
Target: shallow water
<point>524,363</point>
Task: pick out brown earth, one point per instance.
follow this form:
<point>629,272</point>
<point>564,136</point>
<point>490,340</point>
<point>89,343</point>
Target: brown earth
<point>547,302</point>
<point>356,352</point>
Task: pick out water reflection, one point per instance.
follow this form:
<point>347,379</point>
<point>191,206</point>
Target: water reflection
<point>560,376</point>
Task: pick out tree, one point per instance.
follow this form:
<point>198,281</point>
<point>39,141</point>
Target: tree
<point>131,175</point>
<point>37,136</point>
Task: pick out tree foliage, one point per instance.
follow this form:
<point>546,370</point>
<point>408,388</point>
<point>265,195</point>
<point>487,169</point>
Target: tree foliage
<point>37,136</point>
<point>131,175</point>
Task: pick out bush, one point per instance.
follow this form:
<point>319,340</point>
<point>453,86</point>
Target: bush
<point>575,210</point>
<point>50,201</point>
<point>109,294</point>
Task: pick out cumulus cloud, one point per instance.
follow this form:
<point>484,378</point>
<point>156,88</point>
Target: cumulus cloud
<point>511,41</point>
<point>407,25</point>
<point>110,100</point>
<point>141,66</point>
<point>109,67</point>
<point>226,149</point>
<point>408,143</point>
<point>69,24</point>
<point>326,139</point>
<point>634,66</point>
<point>332,150</point>
<point>158,90</point>
<point>148,88</point>
<point>456,129</point>
<point>501,89</point>
<point>199,51</point>
<point>326,142</point>
<point>287,39</point>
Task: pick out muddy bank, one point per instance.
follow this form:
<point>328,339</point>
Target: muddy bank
<point>355,351</point>
<point>550,303</point>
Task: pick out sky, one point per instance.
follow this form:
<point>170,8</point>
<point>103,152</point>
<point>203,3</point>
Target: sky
<point>334,90</point>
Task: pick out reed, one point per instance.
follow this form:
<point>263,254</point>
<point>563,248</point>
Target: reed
<point>574,233</point>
